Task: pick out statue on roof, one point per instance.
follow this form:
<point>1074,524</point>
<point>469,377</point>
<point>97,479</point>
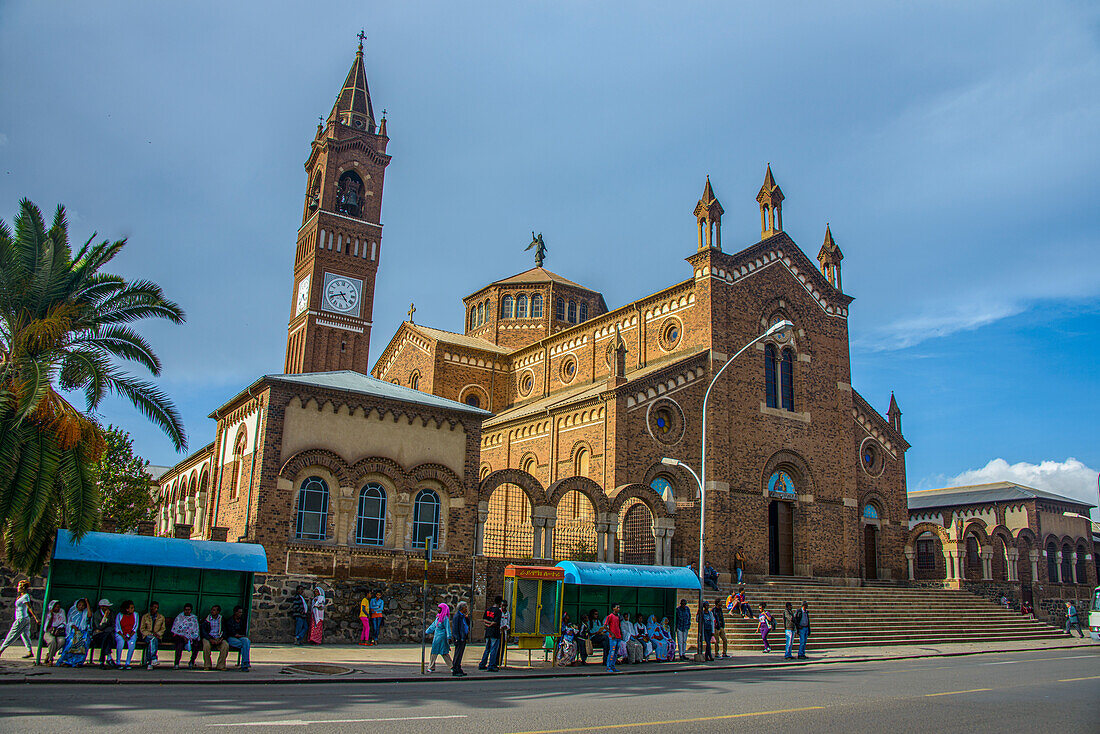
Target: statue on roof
<point>539,247</point>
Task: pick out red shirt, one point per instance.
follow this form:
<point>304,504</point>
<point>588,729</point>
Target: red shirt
<point>128,623</point>
<point>613,628</point>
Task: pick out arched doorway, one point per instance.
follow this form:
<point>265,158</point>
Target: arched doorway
<point>870,551</point>
<point>780,538</point>
<point>508,531</point>
<point>636,543</point>
<point>575,529</point>
<point>973,559</point>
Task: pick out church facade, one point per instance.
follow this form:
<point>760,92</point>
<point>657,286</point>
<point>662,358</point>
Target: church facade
<point>538,432</point>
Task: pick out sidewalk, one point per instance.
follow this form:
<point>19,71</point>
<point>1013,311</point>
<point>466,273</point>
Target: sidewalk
<point>401,663</point>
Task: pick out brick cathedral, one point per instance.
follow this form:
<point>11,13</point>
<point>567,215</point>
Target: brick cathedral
<point>539,431</point>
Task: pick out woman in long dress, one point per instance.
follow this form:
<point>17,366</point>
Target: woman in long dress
<point>440,630</point>
<point>317,616</point>
<point>657,638</point>
<point>78,635</point>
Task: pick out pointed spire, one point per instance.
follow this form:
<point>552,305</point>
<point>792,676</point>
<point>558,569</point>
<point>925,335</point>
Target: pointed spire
<point>829,256</point>
<point>352,106</point>
<point>708,216</point>
<point>894,413</point>
<point>770,199</point>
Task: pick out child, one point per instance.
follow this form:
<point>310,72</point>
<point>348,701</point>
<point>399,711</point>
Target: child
<point>766,624</point>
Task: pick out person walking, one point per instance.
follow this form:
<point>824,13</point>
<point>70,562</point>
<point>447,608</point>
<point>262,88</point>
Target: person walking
<point>21,625</point>
<point>299,611</point>
<point>317,615</point>
<point>491,621</point>
<point>683,624</point>
<point>460,634</point>
<point>505,629</point>
<point>719,629</point>
<point>803,622</point>
<point>705,621</point>
<point>790,630</point>
<point>440,630</point>
<point>1073,619</point>
<point>739,563</point>
<point>364,619</point>
<point>765,623</point>
<point>614,636</point>
<point>377,616</point>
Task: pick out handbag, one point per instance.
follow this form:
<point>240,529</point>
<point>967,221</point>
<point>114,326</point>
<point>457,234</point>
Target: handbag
<point>588,646</point>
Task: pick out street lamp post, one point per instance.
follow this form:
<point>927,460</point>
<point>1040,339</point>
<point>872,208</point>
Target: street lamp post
<point>701,477</point>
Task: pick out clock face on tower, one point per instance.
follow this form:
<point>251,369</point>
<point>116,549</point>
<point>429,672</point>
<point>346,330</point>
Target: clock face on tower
<point>303,296</point>
<point>342,294</point>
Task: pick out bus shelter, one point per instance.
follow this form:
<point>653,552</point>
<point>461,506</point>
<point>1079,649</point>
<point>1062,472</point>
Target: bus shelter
<point>144,568</point>
<point>637,589</point>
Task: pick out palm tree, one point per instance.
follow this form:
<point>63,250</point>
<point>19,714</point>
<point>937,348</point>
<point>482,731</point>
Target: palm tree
<point>63,326</point>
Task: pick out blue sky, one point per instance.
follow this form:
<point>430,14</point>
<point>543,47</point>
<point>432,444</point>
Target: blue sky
<point>954,148</point>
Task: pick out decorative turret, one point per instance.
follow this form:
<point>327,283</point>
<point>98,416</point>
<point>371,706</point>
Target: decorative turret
<point>894,414</point>
<point>771,206</point>
<point>708,215</point>
<point>830,256</point>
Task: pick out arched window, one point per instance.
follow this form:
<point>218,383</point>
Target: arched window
<point>870,511</point>
<point>636,543</point>
<point>663,487</point>
<point>559,309</point>
<point>370,527</point>
<point>480,314</point>
<point>787,378</point>
<point>1082,565</point>
<point>1052,562</point>
<point>521,306</point>
<point>572,312</point>
<point>312,520</point>
<point>529,465</point>
<point>507,307</point>
<point>473,400</point>
<point>575,530</point>
<point>349,194</point>
<point>771,387</point>
<point>414,381</point>
<point>580,463</point>
<point>584,312</point>
<point>536,306</point>
<point>1067,564</point>
<point>426,518</point>
<point>238,456</point>
<point>473,317</point>
<point>508,530</point>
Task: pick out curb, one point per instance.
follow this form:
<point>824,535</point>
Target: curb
<point>598,673</point>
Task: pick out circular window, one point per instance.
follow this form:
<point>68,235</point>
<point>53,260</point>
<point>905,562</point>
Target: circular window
<point>526,384</point>
<point>568,369</point>
<point>670,334</point>
<point>781,483</point>
<point>666,422</point>
<point>871,457</point>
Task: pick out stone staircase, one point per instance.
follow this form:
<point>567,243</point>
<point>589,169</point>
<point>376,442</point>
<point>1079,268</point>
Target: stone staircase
<point>879,613</point>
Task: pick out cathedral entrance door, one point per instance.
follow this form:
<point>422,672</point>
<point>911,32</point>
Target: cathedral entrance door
<point>780,539</point>
<point>870,551</point>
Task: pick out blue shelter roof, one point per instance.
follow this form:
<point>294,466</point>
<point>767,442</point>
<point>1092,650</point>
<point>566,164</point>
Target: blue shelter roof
<point>621,574</point>
<point>147,550</point>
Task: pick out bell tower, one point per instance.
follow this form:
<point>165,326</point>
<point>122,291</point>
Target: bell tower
<point>770,199</point>
<point>340,240</point>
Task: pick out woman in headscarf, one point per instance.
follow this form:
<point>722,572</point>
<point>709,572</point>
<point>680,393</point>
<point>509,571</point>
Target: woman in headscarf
<point>78,634</point>
<point>658,638</point>
<point>440,630</point>
<point>53,630</point>
<point>317,615</point>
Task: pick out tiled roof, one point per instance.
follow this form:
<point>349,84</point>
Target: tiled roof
<point>983,493</point>
<point>156,471</point>
<point>461,340</point>
<point>539,275</point>
<point>349,381</point>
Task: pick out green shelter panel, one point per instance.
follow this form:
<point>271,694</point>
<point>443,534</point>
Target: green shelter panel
<point>222,582</point>
<point>570,594</point>
<point>125,576</point>
<point>176,579</point>
<point>225,601</point>
<point>75,573</point>
<point>592,596</point>
<point>171,602</point>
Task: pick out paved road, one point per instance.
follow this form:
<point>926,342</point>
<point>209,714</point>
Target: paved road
<point>1057,689</point>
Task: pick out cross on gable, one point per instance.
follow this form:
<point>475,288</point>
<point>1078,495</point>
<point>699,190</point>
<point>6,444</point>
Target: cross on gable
<point>412,310</point>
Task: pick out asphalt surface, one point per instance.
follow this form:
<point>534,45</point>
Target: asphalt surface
<point>1058,690</point>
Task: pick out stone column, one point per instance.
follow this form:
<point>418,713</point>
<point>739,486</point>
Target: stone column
<point>658,546</point>
<point>1058,567</point>
<point>612,532</point>
<point>601,541</point>
<point>1072,568</point>
<point>479,529</point>
<point>950,561</point>
<point>665,526</point>
<point>909,562</point>
<point>548,538</point>
<point>1013,557</point>
<point>537,523</point>
<point>1034,566</point>
<point>987,563</point>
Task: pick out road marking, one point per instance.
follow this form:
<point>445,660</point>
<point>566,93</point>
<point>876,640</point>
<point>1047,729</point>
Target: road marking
<point>955,693</point>
<point>303,722</point>
<point>673,721</point>
<point>1039,660</point>
<point>1068,680</point>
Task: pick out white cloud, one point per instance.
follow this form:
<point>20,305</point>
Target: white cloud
<point>1071,477</point>
<point>912,330</point>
